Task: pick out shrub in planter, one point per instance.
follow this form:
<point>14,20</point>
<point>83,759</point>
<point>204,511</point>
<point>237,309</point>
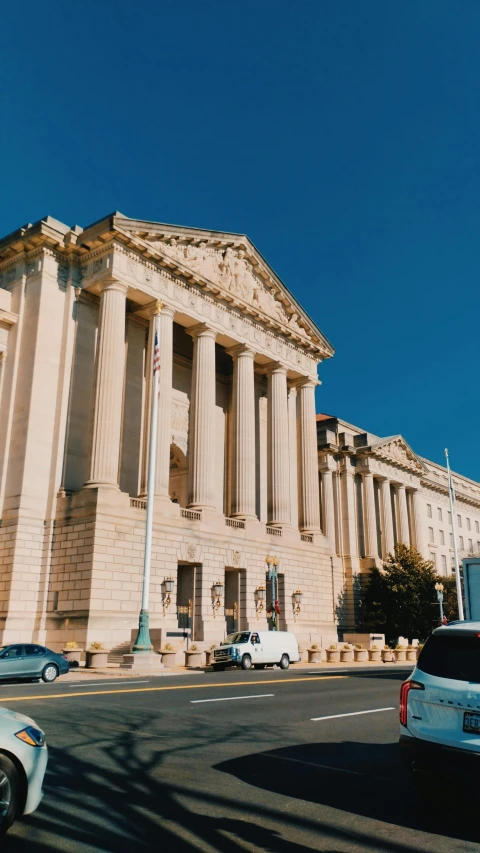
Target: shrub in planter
<point>314,654</point>
<point>346,653</point>
<point>333,654</point>
<point>193,656</point>
<point>72,653</point>
<point>400,653</point>
<point>97,656</point>
<point>375,654</point>
<point>169,654</point>
<point>360,653</point>
<point>411,653</point>
<point>387,655</point>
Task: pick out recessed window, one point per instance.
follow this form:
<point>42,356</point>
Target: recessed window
<point>430,535</point>
<point>429,510</point>
<point>478,547</point>
<point>469,527</point>
<point>433,558</point>
<point>449,517</point>
<point>459,520</point>
<point>462,546</point>
<point>477,528</point>
<point>439,511</point>
<point>451,540</point>
<point>442,537</point>
<point>470,546</point>
<point>444,563</point>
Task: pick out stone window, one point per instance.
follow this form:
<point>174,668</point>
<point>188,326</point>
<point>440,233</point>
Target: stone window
<point>462,546</point>
<point>444,563</point>
<point>429,510</point>
<point>469,526</point>
<point>431,537</point>
<point>442,537</point>
<point>449,517</point>
<point>478,547</point>
<point>459,520</point>
<point>439,511</point>
<point>470,546</point>
<point>477,529</point>
<point>433,558</point>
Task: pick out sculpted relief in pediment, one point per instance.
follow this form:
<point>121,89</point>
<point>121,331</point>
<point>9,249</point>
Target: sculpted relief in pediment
<point>232,270</point>
<point>398,451</point>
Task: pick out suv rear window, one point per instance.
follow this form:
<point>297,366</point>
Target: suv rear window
<point>452,656</point>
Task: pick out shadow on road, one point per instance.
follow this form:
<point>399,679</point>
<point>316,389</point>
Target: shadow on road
<point>133,791</point>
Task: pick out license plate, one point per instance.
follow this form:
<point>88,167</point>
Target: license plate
<point>471,723</point>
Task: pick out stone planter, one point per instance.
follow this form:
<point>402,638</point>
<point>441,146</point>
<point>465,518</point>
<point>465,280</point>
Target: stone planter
<point>168,658</point>
<point>361,655</point>
<point>388,656</point>
<point>333,655</point>
<point>209,658</point>
<point>412,655</point>
<point>301,652</point>
<point>315,655</point>
<point>97,658</point>
<point>73,656</point>
<point>375,655</point>
<point>346,655</point>
<point>400,654</point>
<point>193,659</point>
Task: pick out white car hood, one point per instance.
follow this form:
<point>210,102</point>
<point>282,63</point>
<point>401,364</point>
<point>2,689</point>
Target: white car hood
<point>13,715</point>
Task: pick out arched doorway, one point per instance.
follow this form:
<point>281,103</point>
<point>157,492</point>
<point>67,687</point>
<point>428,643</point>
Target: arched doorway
<point>178,485</point>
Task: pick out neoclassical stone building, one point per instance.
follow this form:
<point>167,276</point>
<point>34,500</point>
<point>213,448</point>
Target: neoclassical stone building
<point>245,468</point>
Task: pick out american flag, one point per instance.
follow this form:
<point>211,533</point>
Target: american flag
<point>156,356</point>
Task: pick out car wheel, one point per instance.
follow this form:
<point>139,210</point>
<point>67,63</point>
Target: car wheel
<point>219,667</point>
<point>246,662</point>
<point>284,662</point>
<point>50,673</point>
<point>10,793</point>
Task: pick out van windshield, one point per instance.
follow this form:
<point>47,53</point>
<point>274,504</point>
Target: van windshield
<point>452,656</point>
<point>240,637</point>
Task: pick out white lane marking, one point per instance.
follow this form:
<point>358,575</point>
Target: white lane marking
<point>231,698</point>
<point>351,714</point>
<point>99,683</point>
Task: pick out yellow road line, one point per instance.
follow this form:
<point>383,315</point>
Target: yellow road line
<point>172,687</point>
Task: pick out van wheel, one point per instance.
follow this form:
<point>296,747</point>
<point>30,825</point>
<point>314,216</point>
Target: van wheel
<point>246,662</point>
<point>284,662</point>
<point>260,666</point>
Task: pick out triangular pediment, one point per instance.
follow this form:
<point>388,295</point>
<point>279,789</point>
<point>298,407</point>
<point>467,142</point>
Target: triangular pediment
<point>230,264</point>
<point>395,449</point>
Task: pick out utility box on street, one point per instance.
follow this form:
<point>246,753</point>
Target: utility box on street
<point>471,580</point>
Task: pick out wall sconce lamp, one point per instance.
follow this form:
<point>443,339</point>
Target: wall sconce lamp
<point>296,602</point>
<point>168,586</point>
<point>217,595</point>
<point>260,593</point>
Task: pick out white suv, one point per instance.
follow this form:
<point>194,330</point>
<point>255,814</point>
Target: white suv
<point>440,705</point>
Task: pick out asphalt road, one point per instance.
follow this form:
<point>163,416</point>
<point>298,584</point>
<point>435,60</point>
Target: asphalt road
<point>230,762</point>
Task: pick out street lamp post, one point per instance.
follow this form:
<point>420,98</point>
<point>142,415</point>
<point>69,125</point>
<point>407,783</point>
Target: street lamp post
<point>439,588</point>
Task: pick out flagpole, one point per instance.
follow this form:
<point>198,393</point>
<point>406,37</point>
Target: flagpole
<point>455,549</point>
<point>143,642</point>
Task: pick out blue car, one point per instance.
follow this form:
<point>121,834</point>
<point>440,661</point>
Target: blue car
<point>29,661</point>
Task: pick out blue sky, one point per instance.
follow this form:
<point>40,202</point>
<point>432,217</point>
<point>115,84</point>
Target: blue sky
<point>343,138</point>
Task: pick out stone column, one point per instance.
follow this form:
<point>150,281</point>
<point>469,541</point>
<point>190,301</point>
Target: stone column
<point>329,508</point>
<point>243,411</point>
<point>308,458</point>
<point>388,539</point>
<point>164,434</point>
<point>403,532</point>
<point>348,509</point>
<point>419,525</point>
<point>371,545</point>
<point>278,473</point>
<point>201,457</point>
<point>109,380</point>
<point>293,451</point>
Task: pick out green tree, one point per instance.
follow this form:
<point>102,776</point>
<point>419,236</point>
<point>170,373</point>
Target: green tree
<point>400,600</point>
<point>450,603</point>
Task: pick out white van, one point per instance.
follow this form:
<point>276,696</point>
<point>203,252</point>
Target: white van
<point>256,648</point>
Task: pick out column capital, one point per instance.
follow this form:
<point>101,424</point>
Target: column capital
<point>274,367</point>
<point>304,382</point>
<point>241,349</point>
<point>114,284</point>
<point>201,330</point>
<point>163,309</point>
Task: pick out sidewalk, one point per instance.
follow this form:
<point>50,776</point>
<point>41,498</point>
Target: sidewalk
<point>114,670</point>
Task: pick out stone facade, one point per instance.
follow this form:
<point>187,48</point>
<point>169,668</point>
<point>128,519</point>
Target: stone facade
<point>236,474</point>
<point>376,492</point>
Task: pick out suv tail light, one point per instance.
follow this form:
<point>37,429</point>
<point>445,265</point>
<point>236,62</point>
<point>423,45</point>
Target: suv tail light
<point>404,691</point>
